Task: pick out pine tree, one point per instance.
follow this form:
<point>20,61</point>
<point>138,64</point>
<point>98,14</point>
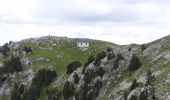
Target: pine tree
<point>134,63</point>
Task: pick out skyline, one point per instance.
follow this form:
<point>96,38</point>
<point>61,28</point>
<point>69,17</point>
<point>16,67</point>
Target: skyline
<point>120,22</point>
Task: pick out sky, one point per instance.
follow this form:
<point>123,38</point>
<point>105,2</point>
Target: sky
<point>117,21</point>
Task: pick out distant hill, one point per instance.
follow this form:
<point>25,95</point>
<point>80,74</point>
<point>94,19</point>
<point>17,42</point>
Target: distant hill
<point>121,72</point>
<point>58,52</point>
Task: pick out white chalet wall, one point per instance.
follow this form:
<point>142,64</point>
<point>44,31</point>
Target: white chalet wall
<point>82,44</point>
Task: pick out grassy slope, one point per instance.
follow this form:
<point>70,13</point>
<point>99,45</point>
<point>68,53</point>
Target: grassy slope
<point>68,50</point>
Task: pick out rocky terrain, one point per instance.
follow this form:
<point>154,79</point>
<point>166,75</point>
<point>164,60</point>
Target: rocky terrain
<point>106,72</point>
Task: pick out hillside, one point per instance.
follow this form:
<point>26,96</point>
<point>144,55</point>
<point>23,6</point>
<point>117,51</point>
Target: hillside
<point>107,77</point>
<point>58,52</point>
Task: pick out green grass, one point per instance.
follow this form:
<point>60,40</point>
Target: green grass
<point>4,97</point>
<point>69,51</point>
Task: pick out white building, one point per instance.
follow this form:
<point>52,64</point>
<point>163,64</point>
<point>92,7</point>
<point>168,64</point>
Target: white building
<point>83,43</point>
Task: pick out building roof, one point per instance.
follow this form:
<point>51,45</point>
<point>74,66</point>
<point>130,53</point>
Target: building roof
<point>83,40</point>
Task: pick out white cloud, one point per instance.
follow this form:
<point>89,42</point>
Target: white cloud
<point>119,21</point>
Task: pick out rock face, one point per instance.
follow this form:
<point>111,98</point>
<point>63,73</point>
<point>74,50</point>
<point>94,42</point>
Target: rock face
<point>114,85</point>
<point>24,78</point>
<point>109,79</point>
<point>26,61</point>
<point>104,76</point>
<point>47,40</point>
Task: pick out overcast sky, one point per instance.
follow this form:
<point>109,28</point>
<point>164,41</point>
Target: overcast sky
<point>118,21</point>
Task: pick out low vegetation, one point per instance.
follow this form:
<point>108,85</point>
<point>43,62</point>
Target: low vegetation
<point>100,56</point>
<point>42,79</point>
<point>134,63</point>
<point>73,66</point>
<point>12,65</point>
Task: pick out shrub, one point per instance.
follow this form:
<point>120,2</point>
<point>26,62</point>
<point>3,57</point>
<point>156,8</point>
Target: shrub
<point>68,90</point>
<point>109,49</point>
<point>100,56</point>
<point>129,49</point>
<point>134,63</point>
<point>110,56</point>
<point>5,49</point>
<point>15,95</point>
<point>21,89</point>
<point>100,71</point>
<point>143,95</point>
<point>89,75</point>
<point>150,78</point>
<point>42,79</point>
<point>91,95</point>
<point>125,94</point>
<point>73,66</point>
<point>98,85</point>
<point>17,92</point>
<point>12,65</point>
<point>118,58</point>
<point>16,64</point>
<point>133,97</point>
<point>143,47</point>
<point>89,60</point>
<point>134,85</point>
<point>76,78</point>
<point>53,93</point>
<point>27,49</point>
<point>154,97</point>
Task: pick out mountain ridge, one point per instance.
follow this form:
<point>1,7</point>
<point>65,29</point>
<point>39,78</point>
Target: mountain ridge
<point>109,75</point>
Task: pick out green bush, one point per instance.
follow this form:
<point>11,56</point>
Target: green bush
<point>99,57</point>
<point>143,47</point>
<point>154,97</point>
<point>134,85</point>
<point>143,95</point>
<point>53,93</point>
<point>5,49</point>
<point>118,58</point>
<point>15,94</point>
<point>134,63</point>
<point>91,95</point>
<point>42,79</point>
<point>110,56</point>
<point>89,60</point>
<point>68,90</point>
<point>129,49</point>
<point>100,71</point>
<point>76,78</point>
<point>109,49</point>
<point>125,94</point>
<point>12,65</point>
<point>133,97</point>
<point>89,75</point>
<point>98,85</point>
<point>150,78</point>
<point>73,66</point>
<point>27,49</point>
